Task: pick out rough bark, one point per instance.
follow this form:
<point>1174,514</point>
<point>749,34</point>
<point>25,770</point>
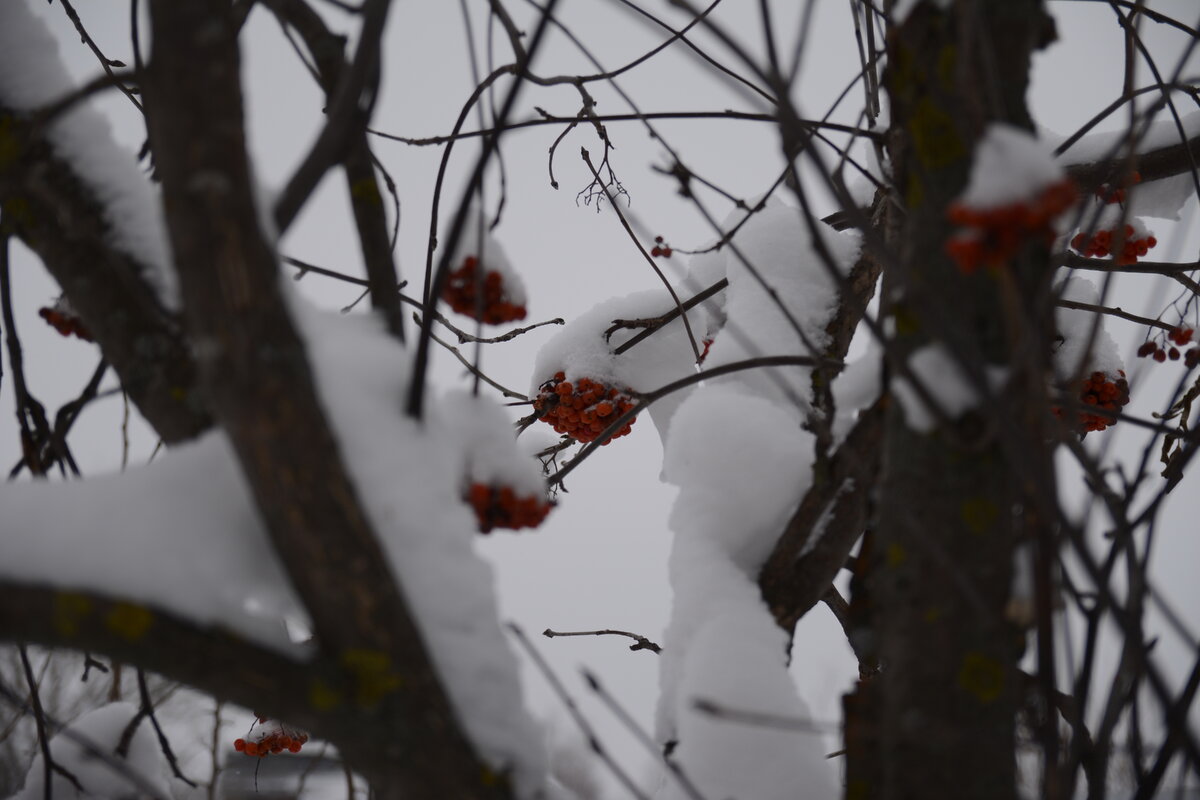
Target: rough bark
<point>56,215</point>
<point>253,365</point>
<point>941,720</point>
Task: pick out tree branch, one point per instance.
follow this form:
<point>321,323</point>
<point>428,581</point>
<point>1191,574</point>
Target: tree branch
<point>56,215</point>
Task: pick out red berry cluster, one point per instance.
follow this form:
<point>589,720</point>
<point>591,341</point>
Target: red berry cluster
<point>660,249</point>
<point>462,294</point>
<point>66,324</point>
<point>583,409</point>
<point>271,739</point>
<point>1116,194</point>
<point>1100,392</point>
<point>1179,336</point>
<point>1100,245</point>
<point>994,235</point>
<point>501,507</point>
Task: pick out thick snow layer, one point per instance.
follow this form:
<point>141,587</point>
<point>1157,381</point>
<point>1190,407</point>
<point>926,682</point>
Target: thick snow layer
<point>781,296</point>
<point>1083,351</point>
<point>32,75</point>
<point>489,445</point>
<point>410,476</point>
<point>1096,146</point>
<point>76,748</point>
<point>1010,166</point>
<point>183,533</point>
<point>728,444</point>
<point>738,663</point>
<point>950,387</point>
<point>580,350</point>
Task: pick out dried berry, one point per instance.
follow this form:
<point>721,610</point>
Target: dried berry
<point>65,321</point>
<point>1101,244</point>
<point>271,736</point>
<point>462,294</point>
<point>583,409</point>
<point>501,507</point>
<point>991,236</point>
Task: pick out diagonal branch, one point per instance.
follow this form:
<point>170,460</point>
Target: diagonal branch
<point>56,215</point>
<point>831,517</point>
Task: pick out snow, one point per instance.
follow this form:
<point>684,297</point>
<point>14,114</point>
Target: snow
<point>489,446</point>
<point>954,392</point>
<point>1010,166</point>
<point>1096,146</point>
<point>741,459</point>
<point>201,552</point>
<point>779,300</point>
<point>1074,356</point>
<point>78,749</point>
<point>32,76</point>
<point>579,349</point>
<point>1161,199</point>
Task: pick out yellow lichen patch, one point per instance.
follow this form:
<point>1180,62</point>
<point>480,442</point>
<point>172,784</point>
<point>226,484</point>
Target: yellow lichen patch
<point>896,555</point>
<point>979,513</point>
<point>322,696</point>
<point>981,676</point>
<point>933,614</point>
<point>373,675</point>
<point>366,190</point>
<point>10,146</point>
<point>129,621</point>
<point>947,62</point>
<point>70,610</point>
<point>934,135</point>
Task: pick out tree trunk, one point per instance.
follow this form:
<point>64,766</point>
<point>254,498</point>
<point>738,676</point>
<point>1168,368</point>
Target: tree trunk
<point>940,721</point>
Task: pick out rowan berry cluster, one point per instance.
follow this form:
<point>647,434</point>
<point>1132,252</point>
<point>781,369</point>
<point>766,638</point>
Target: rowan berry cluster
<point>273,737</point>
<point>660,249</point>
<point>1100,392</point>
<point>501,507</point>
<point>994,235</point>
<point>462,294</point>
<point>1179,336</point>
<point>1101,244</point>
<point>1116,194</point>
<point>582,409</point>
<point>65,322</point>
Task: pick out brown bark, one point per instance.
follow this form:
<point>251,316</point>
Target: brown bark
<point>254,367</point>
<point>940,719</point>
<point>57,216</point>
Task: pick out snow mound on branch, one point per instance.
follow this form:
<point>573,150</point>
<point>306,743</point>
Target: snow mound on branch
<point>580,349</point>
<point>742,461</point>
<point>410,480</point>
<point>1083,351</point>
<point>738,664</point>
<point>183,534</point>
<point>488,444</point>
<point>780,298</point>
<point>1010,166</point>
<point>32,76</point>
<point>86,749</point>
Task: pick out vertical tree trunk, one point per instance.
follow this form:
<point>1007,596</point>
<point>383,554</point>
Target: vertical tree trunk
<point>940,720</point>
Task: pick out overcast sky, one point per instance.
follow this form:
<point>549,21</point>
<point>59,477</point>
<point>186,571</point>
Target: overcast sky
<point>599,562</point>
